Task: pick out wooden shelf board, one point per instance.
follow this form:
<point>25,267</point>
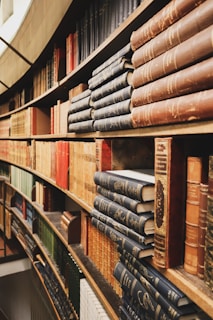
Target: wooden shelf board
<point>193,287</point>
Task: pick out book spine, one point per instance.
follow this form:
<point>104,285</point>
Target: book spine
<point>103,154</point>
<point>129,283</point>
<point>202,229</point>
<point>80,105</point>
<point>162,284</point>
<point>169,202</point>
<point>81,126</point>
<point>178,32</point>
<point>123,200</point>
<point>112,71</point>
<point>119,108</point>
<point>122,215</point>
<point>126,187</point>
<point>116,237</point>
<point>208,265</point>
<point>116,84</point>
<point>169,14</point>
<point>182,55</point>
<point>80,116</point>
<point>117,96</point>
<point>194,169</point>
<point>187,108</point>
<point>118,226</point>
<point>192,79</point>
<point>123,52</point>
<point>121,122</point>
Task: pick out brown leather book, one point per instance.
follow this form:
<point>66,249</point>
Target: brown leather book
<point>192,79</point>
<point>169,202</point>
<point>186,53</point>
<point>170,13</point>
<point>192,23</point>
<point>192,107</point>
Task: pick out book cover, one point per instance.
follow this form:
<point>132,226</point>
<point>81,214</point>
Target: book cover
<point>170,168</point>
<point>196,173</point>
<point>136,249</point>
<point>142,224</point>
<point>169,14</point>
<point>188,80</point>
<point>184,54</point>
<point>178,32</point>
<point>131,204</point>
<point>187,108</point>
<point>138,189</point>
<point>165,287</point>
<point>146,239</point>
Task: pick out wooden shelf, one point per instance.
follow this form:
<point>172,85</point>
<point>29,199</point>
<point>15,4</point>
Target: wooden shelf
<point>192,286</point>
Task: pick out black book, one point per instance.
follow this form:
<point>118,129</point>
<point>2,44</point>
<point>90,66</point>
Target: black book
<point>161,283</point>
<point>81,126</point>
<point>143,224</point>
<point>113,110</point>
<point>136,249</point>
<point>122,228</point>
<point>134,205</point>
<point>113,70</point>
<point>125,51</point>
<point>138,189</point>
<point>156,305</point>
<point>120,82</point>
<point>117,96</point>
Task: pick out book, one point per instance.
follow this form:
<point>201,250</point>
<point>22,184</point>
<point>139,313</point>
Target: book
<point>113,70</point>
<point>165,287</point>
<point>81,126</point>
<point>79,105</point>
<point>116,109</point>
<point>125,51</point>
<point>120,122</point>
<point>186,53</point>
<point>170,168</point>
<point>77,90</point>
<point>117,96</point>
<point>137,250</point>
<point>208,265</point>
<point>131,204</point>
<point>83,93</point>
<point>171,310</point>
<point>191,107</point>
<point>136,188</point>
<point>79,116</point>
<point>202,229</point>
<point>120,82</point>
<point>129,232</point>
<point>40,121</point>
<point>191,79</point>
<point>196,173</point>
<point>143,224</point>
<point>130,283</point>
<point>169,14</point>
<point>178,32</point>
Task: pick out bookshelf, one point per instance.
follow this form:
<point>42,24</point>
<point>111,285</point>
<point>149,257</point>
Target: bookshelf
<point>26,147</point>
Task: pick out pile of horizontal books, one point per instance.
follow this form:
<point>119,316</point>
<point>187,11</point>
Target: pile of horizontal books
<point>123,209</point>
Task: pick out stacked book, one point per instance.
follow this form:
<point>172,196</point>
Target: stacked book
<point>173,65</point>
<point>111,88</point>
<point>80,113</point>
<point>147,294</point>
<point>123,209</point>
